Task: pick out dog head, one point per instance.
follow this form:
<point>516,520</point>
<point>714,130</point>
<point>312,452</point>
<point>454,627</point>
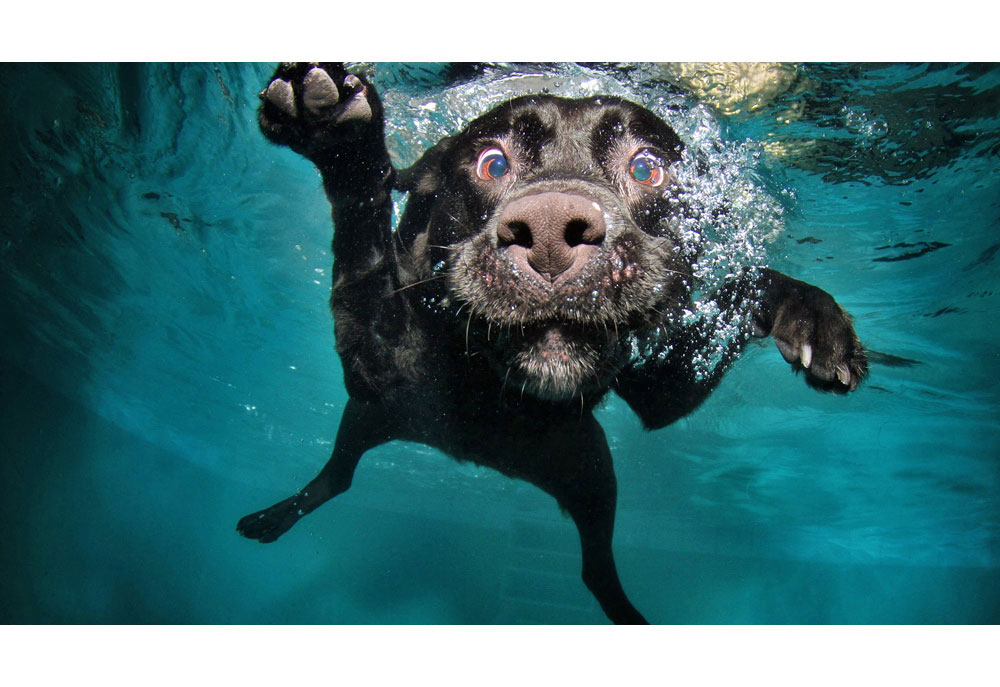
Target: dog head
<point>554,223</point>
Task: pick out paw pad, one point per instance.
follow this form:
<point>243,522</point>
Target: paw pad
<point>280,94</point>
<point>319,93</point>
<point>308,95</point>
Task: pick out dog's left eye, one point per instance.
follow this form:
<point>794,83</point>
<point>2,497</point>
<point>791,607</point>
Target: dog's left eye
<point>647,169</point>
<point>492,164</point>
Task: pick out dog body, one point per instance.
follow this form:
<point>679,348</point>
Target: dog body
<point>537,267</point>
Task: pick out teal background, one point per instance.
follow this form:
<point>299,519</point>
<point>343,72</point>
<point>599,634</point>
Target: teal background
<point>166,366</point>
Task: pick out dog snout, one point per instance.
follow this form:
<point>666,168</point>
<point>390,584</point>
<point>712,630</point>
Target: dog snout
<point>555,233</point>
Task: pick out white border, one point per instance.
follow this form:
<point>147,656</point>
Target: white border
<point>502,656</point>
<point>488,30</point>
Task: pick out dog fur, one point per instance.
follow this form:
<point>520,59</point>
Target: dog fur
<point>514,292</point>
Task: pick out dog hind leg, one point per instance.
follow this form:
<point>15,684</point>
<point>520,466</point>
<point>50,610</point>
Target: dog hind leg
<point>362,427</point>
<point>579,473</point>
<point>595,518</point>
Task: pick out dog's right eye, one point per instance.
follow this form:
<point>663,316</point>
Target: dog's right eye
<point>492,164</point>
<point>647,169</point>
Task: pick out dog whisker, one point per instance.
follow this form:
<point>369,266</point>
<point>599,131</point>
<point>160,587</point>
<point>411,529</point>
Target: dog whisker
<point>402,245</point>
<point>418,283</point>
<point>467,325</point>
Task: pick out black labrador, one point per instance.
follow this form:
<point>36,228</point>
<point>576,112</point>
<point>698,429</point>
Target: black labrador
<point>537,253</point>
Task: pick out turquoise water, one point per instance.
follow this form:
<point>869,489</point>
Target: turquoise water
<point>167,367</point>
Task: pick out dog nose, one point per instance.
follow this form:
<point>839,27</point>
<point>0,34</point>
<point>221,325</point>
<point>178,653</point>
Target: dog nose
<point>554,232</point>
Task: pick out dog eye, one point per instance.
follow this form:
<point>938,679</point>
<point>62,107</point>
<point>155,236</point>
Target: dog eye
<point>647,169</point>
<point>492,164</point>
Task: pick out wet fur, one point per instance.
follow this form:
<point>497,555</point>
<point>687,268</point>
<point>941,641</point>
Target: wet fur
<point>447,336</point>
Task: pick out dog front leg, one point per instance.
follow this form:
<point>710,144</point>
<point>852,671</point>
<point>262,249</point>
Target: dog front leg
<point>812,331</point>
<point>335,119</point>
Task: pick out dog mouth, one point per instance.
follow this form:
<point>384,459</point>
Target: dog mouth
<point>552,360</point>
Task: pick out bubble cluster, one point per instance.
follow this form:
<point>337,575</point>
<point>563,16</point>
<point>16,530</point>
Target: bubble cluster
<point>729,219</point>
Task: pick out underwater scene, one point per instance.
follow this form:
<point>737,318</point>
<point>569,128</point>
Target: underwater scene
<point>167,361</point>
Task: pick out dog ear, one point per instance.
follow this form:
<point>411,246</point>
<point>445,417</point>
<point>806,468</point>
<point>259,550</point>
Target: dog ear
<point>424,176</point>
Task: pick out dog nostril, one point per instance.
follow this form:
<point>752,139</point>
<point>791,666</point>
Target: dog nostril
<point>515,233</point>
<point>580,231</point>
<point>551,233</point>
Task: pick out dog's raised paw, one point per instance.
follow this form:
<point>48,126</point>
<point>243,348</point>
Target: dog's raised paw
<point>305,104</point>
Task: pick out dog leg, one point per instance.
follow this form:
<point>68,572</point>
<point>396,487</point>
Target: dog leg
<point>812,332</point>
<point>362,427</point>
<point>580,475</point>
<point>595,521</point>
<point>336,120</point>
<point>810,328</point>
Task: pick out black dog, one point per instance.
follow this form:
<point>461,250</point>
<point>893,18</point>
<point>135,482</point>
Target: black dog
<point>537,253</point>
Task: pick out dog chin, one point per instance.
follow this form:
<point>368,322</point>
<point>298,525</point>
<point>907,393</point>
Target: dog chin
<point>553,366</point>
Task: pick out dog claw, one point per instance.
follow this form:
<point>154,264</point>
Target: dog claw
<point>844,375</point>
<point>279,93</point>
<point>352,83</point>
<point>802,355</point>
<point>356,107</point>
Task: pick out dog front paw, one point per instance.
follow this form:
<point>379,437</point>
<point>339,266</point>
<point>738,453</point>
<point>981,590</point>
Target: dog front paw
<point>817,336</point>
<point>314,107</point>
